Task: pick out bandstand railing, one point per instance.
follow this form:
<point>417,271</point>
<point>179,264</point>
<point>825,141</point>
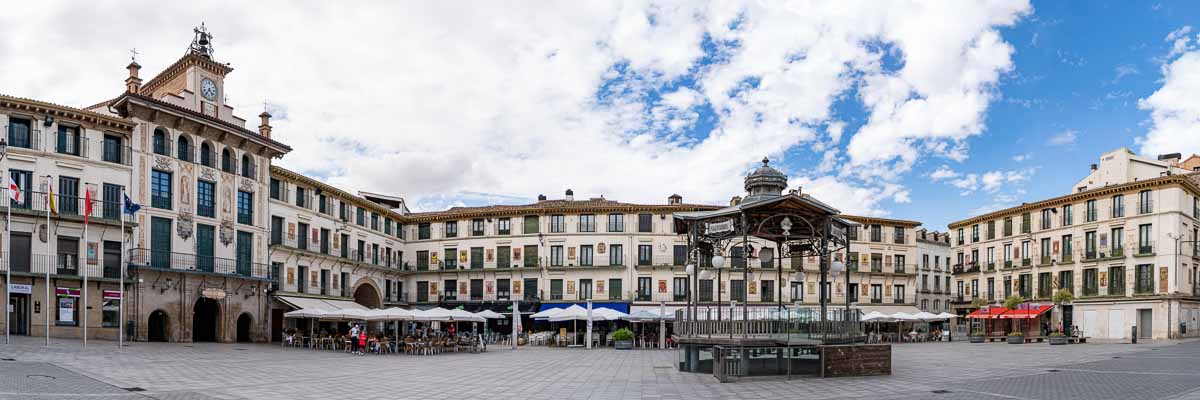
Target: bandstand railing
<point>791,324</point>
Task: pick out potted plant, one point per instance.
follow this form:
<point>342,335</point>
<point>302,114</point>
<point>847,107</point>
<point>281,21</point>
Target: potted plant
<point>623,339</point>
<point>977,336</point>
<point>1058,338</point>
<point>1016,338</point>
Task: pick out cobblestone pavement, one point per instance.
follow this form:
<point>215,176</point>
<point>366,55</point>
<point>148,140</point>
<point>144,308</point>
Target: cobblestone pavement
<point>1163,370</point>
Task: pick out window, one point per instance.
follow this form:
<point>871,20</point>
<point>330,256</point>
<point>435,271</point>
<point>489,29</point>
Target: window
<point>301,197</point>
<point>206,155</point>
<point>206,199</point>
<point>556,289</point>
<point>737,290</point>
<point>451,257</point>
<point>1068,216</point>
<point>114,150</point>
<point>960,236</point>
<point>530,224</point>
<point>1144,281</point>
<point>531,256</point>
<point>974,288</point>
<point>476,258</point>
<point>1067,280</point>
<point>111,308</point>
<point>387,226</point>
<point>852,290</point>
<point>585,289</point>
<point>1008,226</point>
<point>645,223</point>
<point>645,254</point>
<point>706,290</point>
<point>852,233</point>
<point>585,255</point>
<point>422,291</point>
<point>70,141</point>
<point>1090,287</point>
<point>68,195</point>
<point>558,223</point>
<point>451,229</point>
<point>160,189</point>
<point>477,227</point>
<point>614,289</point>
<point>1089,245</point>
<point>276,189</point>
<point>1145,244</point>
<point>737,257</point>
<point>643,288</point>
<point>360,216</point>
<point>423,231</point>
<point>556,256</point>
<point>876,293</point>
<point>616,222</point>
<point>681,289</point>
<point>587,223</point>
<point>1026,225</point>
<point>183,149</point>
<point>111,207</point>
<point>616,255</point>
<point>797,292</point>
<point>991,289</point>
<point>1067,249</point>
<point>876,233</point>
<point>680,254</point>
<point>766,290</point>
<point>160,242</point>
<point>503,257</point>
<point>991,230</point>
<point>1116,281</point>
<point>503,226</point>
<point>422,259</point>
<point>302,236</point>
<point>766,257</point>
<point>1024,286</point>
<point>1090,210</point>
<point>227,163</point>
<point>325,240</point>
<point>974,233</point>
<point>68,312</point>
<point>1118,242</point>
<point>20,133</point>
<point>1118,206</point>
<point>898,235</point>
<point>1046,218</point>
<point>450,289</point>
<point>160,142</point>
<point>248,167</point>
<point>898,293</point>
<point>503,289</point>
<point>1145,203</point>
<point>245,208</point>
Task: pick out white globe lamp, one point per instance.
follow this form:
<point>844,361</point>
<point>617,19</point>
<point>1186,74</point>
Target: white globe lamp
<point>718,262</point>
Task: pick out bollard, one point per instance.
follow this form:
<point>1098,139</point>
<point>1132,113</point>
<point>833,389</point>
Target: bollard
<point>1133,333</point>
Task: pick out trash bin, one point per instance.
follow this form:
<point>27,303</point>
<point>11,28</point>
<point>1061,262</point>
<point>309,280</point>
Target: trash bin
<point>1133,333</point>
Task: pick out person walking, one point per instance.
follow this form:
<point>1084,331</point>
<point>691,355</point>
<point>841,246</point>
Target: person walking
<point>354,338</point>
<point>362,342</point>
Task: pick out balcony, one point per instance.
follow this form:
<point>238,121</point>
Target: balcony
<point>991,266</point>
<point>192,263</point>
<point>1025,262</point>
<point>61,265</point>
<point>68,206</point>
<point>969,268</point>
<point>1118,251</point>
<point>1067,258</point>
<point>1008,264</point>
<point>1045,260</point>
<point>1145,248</point>
<point>1090,255</point>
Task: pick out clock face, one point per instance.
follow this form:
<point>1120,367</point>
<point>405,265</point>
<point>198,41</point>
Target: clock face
<point>208,89</point>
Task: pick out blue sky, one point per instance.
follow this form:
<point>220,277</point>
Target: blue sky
<point>922,110</point>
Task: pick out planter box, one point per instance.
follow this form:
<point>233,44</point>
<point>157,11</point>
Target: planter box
<point>978,339</point>
<point>623,344</point>
<point>1016,340</point>
<point>1058,340</point>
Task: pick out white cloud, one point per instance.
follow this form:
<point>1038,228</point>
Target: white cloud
<point>1064,138</point>
<point>1174,109</point>
<point>1180,41</point>
<point>435,101</point>
<point>943,172</point>
<point>1122,71</point>
<point>1022,157</point>
<point>850,198</point>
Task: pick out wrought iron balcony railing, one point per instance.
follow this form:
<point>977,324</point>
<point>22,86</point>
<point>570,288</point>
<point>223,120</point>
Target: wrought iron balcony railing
<point>163,260</point>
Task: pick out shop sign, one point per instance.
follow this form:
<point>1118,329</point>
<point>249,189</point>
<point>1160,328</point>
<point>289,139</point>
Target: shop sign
<point>66,292</point>
<point>213,293</point>
<point>112,295</point>
<point>19,288</point>
<point>716,228</point>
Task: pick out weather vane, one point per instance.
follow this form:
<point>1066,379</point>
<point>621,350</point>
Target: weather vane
<point>133,53</point>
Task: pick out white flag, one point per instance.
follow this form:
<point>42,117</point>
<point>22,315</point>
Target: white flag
<point>14,192</point>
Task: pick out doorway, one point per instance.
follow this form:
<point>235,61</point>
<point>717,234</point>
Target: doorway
<point>276,325</point>
<point>157,326</point>
<point>1145,323</point>
<point>205,317</point>
<point>243,328</point>
<point>19,319</point>
<point>1068,320</point>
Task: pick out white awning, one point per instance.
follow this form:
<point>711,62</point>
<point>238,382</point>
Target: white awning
<point>320,304</point>
<point>888,309</point>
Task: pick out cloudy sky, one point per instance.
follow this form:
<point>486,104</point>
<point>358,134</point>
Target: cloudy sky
<point>931,111</point>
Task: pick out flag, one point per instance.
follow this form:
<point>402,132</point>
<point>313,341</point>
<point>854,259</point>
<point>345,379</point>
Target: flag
<point>14,192</point>
<point>87,205</point>
<point>50,199</point>
<point>130,206</point>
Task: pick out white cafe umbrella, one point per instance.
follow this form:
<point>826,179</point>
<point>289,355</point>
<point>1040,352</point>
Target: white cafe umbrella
<point>928,317</point>
<point>550,312</point>
<point>305,313</point>
<point>876,316</point>
<point>642,315</point>
<point>489,314</point>
<point>432,314</point>
<point>609,314</point>
<point>349,314</point>
<point>947,315</point>
<point>460,315</point>
<point>903,316</point>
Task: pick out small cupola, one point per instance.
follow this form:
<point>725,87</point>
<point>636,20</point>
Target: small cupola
<point>765,182</point>
<point>264,129</point>
<point>133,84</point>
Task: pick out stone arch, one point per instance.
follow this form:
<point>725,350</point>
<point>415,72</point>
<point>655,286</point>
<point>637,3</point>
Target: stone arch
<point>158,326</point>
<point>244,329</point>
<point>206,320</point>
<point>367,293</point>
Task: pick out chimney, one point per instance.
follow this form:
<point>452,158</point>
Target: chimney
<point>570,195</point>
<point>1094,167</point>
<point>541,197</point>
<point>675,199</point>
<point>1172,159</point>
<point>735,201</point>
<point>265,128</point>
<point>133,84</point>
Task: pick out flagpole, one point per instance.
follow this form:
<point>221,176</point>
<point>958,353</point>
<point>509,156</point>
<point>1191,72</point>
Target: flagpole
<point>49,258</point>
<point>8,266</point>
<point>121,302</point>
<point>87,207</point>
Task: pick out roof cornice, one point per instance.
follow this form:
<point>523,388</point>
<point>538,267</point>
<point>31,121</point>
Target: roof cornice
<point>359,201</point>
<point>61,111</point>
<point>881,221</point>
<point>253,136</point>
<point>1181,180</point>
<point>181,65</point>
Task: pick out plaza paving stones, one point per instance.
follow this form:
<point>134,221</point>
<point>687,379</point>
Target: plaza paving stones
<point>941,371</point>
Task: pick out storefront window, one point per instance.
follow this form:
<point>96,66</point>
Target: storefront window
<point>111,313</point>
<point>67,312</point>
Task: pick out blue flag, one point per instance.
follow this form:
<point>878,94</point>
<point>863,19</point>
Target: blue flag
<point>130,206</point>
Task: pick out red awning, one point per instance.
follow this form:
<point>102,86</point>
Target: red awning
<point>1025,311</point>
<point>987,312</point>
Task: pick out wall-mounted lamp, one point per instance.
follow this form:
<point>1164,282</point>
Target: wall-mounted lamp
<point>48,121</point>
